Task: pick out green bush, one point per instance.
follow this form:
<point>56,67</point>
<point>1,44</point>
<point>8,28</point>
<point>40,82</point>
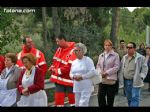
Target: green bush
<point>14,46</point>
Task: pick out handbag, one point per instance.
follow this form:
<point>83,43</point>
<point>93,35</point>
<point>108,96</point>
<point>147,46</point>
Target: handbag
<point>97,78</point>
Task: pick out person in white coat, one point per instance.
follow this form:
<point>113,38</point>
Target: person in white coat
<point>82,70</point>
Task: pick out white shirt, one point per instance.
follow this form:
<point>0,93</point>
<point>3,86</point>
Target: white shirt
<point>106,55</point>
<point>83,67</point>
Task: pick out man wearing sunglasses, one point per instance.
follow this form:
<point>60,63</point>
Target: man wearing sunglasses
<point>132,72</point>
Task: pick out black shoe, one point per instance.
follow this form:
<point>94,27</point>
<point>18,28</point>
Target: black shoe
<point>149,90</point>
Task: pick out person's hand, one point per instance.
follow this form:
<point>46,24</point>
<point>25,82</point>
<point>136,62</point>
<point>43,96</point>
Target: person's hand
<point>52,70</point>
<point>25,92</point>
<point>104,74</point>
<point>78,78</point>
<point>49,71</point>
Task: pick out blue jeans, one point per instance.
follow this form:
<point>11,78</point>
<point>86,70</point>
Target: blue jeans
<point>132,93</point>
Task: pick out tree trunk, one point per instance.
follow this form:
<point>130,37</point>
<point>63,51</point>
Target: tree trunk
<point>56,22</point>
<point>44,25</point>
<point>115,26</point>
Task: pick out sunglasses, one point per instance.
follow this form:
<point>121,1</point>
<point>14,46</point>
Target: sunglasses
<point>129,47</point>
<point>76,50</point>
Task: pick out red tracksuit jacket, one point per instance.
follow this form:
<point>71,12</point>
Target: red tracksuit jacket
<point>62,61</point>
<point>2,64</point>
<point>41,63</point>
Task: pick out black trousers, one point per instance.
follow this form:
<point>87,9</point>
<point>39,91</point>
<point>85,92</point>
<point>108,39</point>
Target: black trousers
<point>106,95</point>
<point>117,87</point>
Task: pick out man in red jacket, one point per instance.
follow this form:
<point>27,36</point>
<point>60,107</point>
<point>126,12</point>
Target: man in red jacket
<point>28,47</point>
<point>60,70</point>
<point>2,64</point>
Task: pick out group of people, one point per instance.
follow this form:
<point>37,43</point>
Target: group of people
<point>22,78</point>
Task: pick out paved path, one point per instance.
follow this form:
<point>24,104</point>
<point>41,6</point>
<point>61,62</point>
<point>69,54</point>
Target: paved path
<point>121,101</point>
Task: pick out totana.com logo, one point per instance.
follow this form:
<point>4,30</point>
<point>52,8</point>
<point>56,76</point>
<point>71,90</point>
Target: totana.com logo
<point>11,10</point>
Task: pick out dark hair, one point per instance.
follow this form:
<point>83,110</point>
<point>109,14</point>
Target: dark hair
<point>134,45</point>
<point>141,45</point>
<point>12,56</point>
<point>114,47</point>
<point>24,39</point>
<point>121,41</point>
<point>61,36</point>
<point>147,47</point>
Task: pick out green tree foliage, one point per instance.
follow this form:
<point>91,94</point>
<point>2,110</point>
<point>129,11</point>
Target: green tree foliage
<point>133,24</point>
<point>5,19</point>
<point>147,16</point>
<point>86,25</point>
<point>90,25</point>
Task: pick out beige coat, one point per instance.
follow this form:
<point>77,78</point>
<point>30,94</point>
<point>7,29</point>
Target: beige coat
<point>140,70</point>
